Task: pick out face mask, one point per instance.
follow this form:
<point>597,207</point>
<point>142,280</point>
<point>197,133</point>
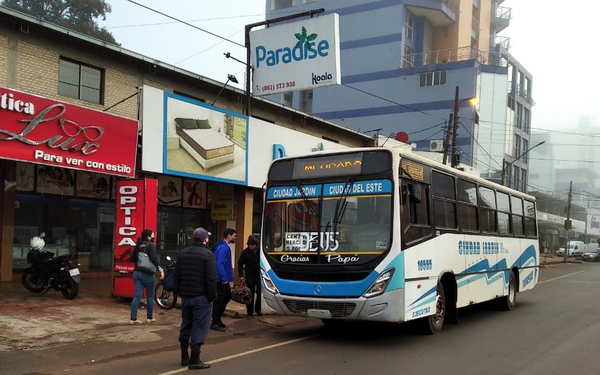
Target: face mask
<point>232,240</point>
<point>151,239</point>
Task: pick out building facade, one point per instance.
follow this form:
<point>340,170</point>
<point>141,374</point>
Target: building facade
<point>401,62</point>
<point>86,91</point>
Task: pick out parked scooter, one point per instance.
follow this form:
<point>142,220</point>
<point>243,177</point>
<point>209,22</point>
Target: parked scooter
<point>50,272</point>
<point>164,295</point>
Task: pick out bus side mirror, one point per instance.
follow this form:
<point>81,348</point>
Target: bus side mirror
<point>415,192</point>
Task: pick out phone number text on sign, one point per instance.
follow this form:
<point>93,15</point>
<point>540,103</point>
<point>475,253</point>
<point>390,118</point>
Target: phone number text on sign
<point>276,86</point>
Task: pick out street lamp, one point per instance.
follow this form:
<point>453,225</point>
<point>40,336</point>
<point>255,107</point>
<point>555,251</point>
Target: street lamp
<point>509,164</point>
<point>453,124</point>
<point>230,77</point>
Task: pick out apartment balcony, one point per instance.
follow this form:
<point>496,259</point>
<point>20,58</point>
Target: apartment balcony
<point>525,94</point>
<point>500,18</point>
<point>439,12</point>
<point>499,43</point>
<point>476,4</point>
<point>453,55</point>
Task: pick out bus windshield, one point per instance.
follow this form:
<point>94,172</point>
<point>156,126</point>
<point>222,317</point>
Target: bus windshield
<point>345,222</point>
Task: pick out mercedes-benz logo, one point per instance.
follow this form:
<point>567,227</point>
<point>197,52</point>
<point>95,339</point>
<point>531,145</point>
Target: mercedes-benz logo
<point>317,289</point>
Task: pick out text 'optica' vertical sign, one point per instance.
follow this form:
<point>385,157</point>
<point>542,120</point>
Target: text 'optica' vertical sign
<point>296,56</point>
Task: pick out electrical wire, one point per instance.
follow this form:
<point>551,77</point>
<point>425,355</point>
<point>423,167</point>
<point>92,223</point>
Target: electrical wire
<point>186,23</point>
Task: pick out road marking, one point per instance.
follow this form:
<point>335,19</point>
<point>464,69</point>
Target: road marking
<point>233,356</point>
<point>560,277</point>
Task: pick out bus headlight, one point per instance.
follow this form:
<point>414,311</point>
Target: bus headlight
<point>268,283</point>
<point>378,287</point>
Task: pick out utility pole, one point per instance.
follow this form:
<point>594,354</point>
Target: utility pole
<point>453,160</point>
<point>447,139</point>
<point>568,221</point>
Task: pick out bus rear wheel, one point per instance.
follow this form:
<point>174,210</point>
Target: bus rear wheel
<point>434,323</point>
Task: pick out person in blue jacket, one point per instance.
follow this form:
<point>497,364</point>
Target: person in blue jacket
<point>224,278</point>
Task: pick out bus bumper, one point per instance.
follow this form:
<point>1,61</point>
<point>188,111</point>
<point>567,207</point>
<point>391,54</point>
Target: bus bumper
<point>388,307</point>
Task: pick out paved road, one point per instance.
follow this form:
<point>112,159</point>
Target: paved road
<point>553,330</point>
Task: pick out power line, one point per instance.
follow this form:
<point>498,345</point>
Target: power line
<point>206,49</point>
<point>186,23</point>
<point>388,100</point>
<point>423,130</point>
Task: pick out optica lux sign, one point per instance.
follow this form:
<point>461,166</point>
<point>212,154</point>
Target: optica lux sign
<point>296,56</point>
<point>43,131</point>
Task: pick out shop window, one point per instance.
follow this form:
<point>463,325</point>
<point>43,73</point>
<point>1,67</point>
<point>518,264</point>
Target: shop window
<point>80,81</point>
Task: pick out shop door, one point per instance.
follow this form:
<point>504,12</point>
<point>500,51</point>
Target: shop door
<point>175,227</point>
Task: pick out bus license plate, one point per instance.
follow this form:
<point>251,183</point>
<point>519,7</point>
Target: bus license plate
<point>318,313</point>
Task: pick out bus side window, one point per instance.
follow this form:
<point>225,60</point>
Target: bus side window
<point>415,222</point>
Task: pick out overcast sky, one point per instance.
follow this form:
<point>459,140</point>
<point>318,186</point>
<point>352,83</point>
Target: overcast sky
<point>551,41</point>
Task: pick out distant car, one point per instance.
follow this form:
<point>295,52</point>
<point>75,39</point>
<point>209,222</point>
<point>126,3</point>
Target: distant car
<point>592,255</point>
<point>575,248</point>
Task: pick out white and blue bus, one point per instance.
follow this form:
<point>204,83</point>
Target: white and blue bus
<point>385,235</point>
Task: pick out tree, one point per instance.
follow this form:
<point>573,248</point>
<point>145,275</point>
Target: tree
<point>78,15</point>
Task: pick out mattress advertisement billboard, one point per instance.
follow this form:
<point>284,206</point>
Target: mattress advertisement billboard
<point>170,146</point>
<point>296,56</point>
<point>189,138</point>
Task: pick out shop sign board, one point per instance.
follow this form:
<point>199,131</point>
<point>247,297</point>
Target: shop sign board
<point>296,56</point>
<point>45,131</point>
<point>136,209</point>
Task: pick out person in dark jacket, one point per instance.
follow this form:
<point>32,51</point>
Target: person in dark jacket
<point>195,278</point>
<point>249,272</point>
<point>142,279</point>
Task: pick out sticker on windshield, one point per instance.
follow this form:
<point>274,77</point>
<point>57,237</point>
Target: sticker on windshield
<point>381,245</point>
<point>309,241</point>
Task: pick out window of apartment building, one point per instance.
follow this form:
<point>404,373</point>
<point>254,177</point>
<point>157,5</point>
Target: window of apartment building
<point>286,98</point>
<point>519,115</point>
<point>281,4</point>
<point>432,78</point>
<point>511,102</point>
<point>409,58</point>
<point>80,81</point>
<point>525,153</point>
<point>516,182</point>
<point>517,146</point>
<point>306,100</point>
<point>308,1</point>
<point>524,180</point>
<point>526,120</point>
<point>409,26</point>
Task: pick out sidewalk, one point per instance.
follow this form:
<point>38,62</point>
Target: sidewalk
<point>32,321</point>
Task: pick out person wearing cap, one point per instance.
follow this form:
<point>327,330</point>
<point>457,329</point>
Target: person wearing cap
<point>224,277</point>
<point>249,272</point>
<point>196,283</point>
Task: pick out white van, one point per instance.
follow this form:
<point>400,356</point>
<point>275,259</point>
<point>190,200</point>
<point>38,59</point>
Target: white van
<point>575,248</point>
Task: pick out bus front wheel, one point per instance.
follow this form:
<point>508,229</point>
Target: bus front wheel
<point>434,323</point>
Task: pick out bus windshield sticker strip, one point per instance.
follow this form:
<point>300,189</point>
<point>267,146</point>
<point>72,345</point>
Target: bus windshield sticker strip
<point>371,187</point>
<point>292,192</point>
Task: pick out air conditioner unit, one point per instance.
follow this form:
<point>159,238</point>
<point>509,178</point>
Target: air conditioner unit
<point>436,145</point>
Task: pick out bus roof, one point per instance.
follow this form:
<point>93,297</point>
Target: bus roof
<point>403,153</point>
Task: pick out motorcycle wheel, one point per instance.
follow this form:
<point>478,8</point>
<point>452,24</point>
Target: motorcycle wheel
<point>31,281</point>
<point>70,288</point>
<point>164,299</point>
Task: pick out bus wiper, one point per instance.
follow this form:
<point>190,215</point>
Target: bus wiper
<point>342,203</point>
<point>306,202</point>
<point>408,174</point>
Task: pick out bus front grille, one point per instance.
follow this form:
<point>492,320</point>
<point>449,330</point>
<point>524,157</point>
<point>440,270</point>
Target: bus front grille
<point>337,309</point>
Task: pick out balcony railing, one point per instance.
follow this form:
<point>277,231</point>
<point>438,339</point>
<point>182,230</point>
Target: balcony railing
<point>503,12</point>
<point>454,5</point>
<point>453,55</point>
<point>525,94</point>
<point>503,41</point>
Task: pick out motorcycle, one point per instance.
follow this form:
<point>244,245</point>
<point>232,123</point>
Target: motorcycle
<point>50,272</point>
<point>166,299</point>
